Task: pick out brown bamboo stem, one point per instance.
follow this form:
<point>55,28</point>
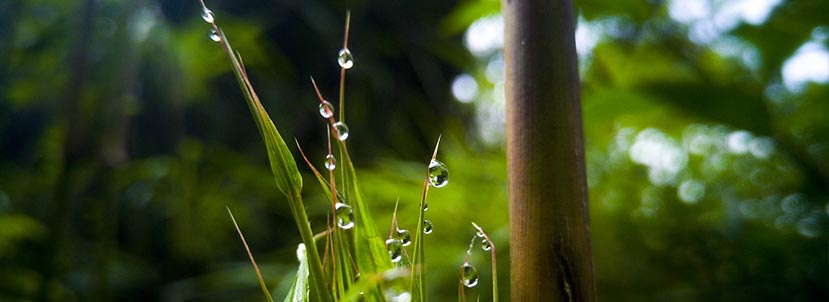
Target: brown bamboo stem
<point>551,257</point>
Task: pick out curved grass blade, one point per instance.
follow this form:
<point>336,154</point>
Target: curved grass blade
<point>250,255</point>
<point>493,264</point>
<point>286,175</point>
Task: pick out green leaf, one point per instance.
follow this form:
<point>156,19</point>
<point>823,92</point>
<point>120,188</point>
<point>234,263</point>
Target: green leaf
<point>287,176</point>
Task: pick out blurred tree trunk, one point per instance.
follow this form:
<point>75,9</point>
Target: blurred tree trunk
<point>550,250</point>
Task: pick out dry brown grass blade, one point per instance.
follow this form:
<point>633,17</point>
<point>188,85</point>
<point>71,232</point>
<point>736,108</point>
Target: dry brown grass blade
<point>250,255</point>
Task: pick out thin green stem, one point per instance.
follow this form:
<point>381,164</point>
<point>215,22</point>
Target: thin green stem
<point>301,218</point>
<point>342,69</point>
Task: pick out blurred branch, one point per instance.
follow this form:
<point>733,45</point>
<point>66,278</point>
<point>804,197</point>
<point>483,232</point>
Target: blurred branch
<point>73,146</point>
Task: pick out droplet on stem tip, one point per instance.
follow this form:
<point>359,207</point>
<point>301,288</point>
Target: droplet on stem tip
<point>438,174</point>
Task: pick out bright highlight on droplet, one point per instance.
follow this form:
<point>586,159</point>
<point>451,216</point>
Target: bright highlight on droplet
<point>438,174</point>
<point>395,248</point>
<point>330,162</point>
<point>345,59</point>
<point>470,275</point>
<point>427,226</point>
<point>215,36</point>
<point>341,130</point>
<point>345,216</point>
<point>325,109</point>
<point>207,15</point>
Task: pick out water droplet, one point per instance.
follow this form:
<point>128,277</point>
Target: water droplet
<point>215,36</point>
<point>405,237</point>
<point>342,130</point>
<point>470,275</point>
<point>300,252</point>
<point>480,234</point>
<point>345,59</point>
<point>345,216</point>
<point>207,15</point>
<point>330,162</point>
<point>427,226</point>
<point>438,174</point>
<point>485,245</point>
<point>426,207</point>
<point>395,248</point>
<point>326,110</point>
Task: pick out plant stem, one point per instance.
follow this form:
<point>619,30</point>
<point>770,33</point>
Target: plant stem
<point>301,218</point>
<point>551,256</point>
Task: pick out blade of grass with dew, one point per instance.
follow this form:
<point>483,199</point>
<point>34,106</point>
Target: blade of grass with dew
<point>250,255</point>
<point>367,243</point>
<point>493,264</point>
<point>418,287</point>
<point>286,175</point>
<point>343,273</point>
<point>300,290</point>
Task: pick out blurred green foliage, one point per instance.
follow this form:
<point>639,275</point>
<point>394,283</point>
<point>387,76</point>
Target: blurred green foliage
<point>123,136</point>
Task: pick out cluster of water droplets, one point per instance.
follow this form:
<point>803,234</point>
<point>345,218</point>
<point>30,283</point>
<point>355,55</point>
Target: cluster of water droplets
<point>345,59</point>
<point>345,216</point>
<point>438,174</point>
<point>208,17</point>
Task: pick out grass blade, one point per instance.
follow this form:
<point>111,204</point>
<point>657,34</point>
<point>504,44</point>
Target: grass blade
<point>250,255</point>
<point>418,287</point>
<point>286,175</point>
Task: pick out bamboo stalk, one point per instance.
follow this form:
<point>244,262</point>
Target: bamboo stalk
<point>551,257</point>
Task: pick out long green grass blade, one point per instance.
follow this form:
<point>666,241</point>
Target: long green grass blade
<point>286,175</point>
<point>418,287</point>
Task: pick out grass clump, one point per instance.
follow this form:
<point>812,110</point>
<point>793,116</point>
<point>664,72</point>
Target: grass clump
<point>357,263</point>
